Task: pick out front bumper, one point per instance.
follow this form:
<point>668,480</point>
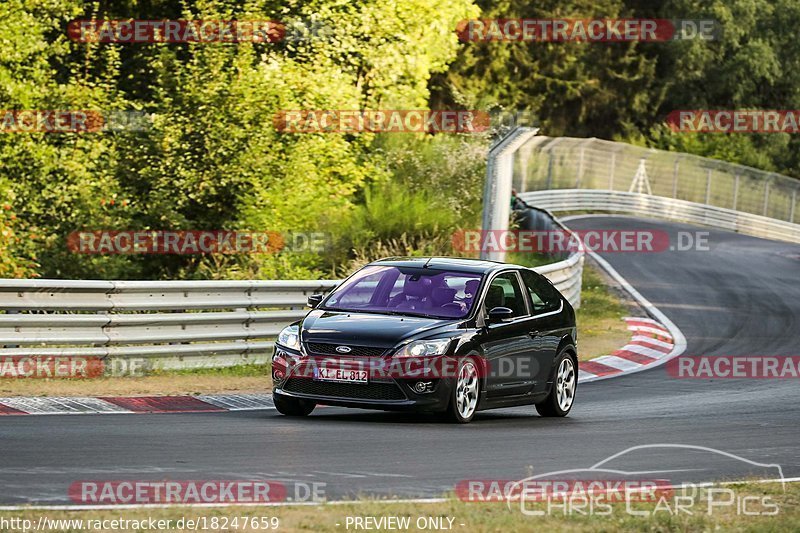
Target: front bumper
<point>384,392</point>
<point>349,397</point>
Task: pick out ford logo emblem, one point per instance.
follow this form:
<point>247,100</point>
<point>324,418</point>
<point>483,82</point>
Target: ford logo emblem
<point>344,349</point>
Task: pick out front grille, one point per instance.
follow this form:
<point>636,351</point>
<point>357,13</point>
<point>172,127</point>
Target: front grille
<point>364,391</point>
<point>319,348</point>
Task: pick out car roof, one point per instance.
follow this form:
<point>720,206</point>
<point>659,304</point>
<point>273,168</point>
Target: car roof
<point>458,264</point>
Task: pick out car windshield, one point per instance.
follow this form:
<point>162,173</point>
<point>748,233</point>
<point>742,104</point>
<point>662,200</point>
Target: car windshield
<point>406,291</point>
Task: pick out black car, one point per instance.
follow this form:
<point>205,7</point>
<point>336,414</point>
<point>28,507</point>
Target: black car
<point>444,335</point>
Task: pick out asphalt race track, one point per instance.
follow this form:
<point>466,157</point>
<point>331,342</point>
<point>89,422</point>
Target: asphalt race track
<point>742,297</point>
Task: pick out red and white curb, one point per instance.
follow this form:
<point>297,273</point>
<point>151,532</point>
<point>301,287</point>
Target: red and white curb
<point>651,344</point>
<point>654,342</point>
<point>135,405</point>
<point>646,327</point>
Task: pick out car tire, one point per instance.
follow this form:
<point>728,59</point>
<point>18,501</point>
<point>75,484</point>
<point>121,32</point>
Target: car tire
<point>561,398</point>
<point>465,393</point>
<point>293,406</point>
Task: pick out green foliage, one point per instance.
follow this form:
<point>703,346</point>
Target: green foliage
<point>529,259</point>
<point>450,168</point>
<point>597,300</point>
<point>578,89</point>
<point>395,220</point>
<point>212,158</point>
<point>57,183</point>
<point>626,90</point>
<point>747,67</point>
<point>17,253</point>
<point>430,187</point>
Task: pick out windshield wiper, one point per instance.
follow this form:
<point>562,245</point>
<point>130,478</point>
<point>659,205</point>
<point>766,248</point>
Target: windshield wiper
<point>381,312</point>
<point>423,315</point>
<point>339,309</point>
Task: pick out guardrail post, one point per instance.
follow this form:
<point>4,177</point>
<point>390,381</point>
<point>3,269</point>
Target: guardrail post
<point>735,192</point>
<point>708,187</point>
<point>675,178</point>
<point>794,202</point>
<point>524,158</point>
<point>579,174</point>
<point>579,177</point>
<point>612,170</point>
<point>766,197</point>
<point>497,191</point>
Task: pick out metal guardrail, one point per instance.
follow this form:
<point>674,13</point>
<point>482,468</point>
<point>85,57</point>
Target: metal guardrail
<point>170,324</point>
<point>546,163</point>
<point>184,324</point>
<point>210,323</point>
<point>569,174</point>
<point>567,274</point>
<point>499,170</point>
<point>668,208</point>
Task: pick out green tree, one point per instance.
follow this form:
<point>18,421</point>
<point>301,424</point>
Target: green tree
<point>574,88</point>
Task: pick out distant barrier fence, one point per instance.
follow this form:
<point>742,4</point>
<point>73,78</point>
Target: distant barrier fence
<point>566,274</point>
<point>567,174</point>
<point>647,206</point>
<point>728,191</point>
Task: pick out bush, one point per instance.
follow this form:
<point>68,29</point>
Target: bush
<point>432,186</point>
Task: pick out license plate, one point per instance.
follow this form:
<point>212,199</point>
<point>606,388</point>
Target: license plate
<point>341,375</point>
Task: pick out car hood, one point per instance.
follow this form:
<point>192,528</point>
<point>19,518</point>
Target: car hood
<point>365,329</point>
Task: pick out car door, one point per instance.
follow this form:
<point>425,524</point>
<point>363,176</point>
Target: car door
<point>546,325</point>
<point>507,345</point>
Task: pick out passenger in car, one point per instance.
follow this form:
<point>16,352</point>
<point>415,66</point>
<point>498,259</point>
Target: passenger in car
<point>416,295</point>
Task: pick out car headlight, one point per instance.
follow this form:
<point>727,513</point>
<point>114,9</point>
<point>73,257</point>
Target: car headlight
<point>289,337</point>
<point>424,348</point>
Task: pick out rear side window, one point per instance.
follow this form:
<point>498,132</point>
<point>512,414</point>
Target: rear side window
<point>505,291</point>
<point>544,296</point>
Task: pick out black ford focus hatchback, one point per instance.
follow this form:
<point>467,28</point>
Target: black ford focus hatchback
<point>443,335</point>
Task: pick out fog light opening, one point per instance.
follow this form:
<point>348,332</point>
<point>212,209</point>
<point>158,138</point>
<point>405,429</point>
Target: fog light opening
<point>422,387</point>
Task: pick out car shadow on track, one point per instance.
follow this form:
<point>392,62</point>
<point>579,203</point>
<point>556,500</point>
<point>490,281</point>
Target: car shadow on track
<point>396,418</point>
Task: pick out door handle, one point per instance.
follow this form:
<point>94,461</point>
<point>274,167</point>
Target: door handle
<point>534,334</point>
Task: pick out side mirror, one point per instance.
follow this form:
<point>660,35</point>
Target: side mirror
<point>500,314</point>
<point>314,300</point>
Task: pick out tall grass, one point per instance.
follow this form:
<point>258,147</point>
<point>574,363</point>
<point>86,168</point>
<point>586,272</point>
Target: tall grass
<point>433,187</point>
<point>396,221</point>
